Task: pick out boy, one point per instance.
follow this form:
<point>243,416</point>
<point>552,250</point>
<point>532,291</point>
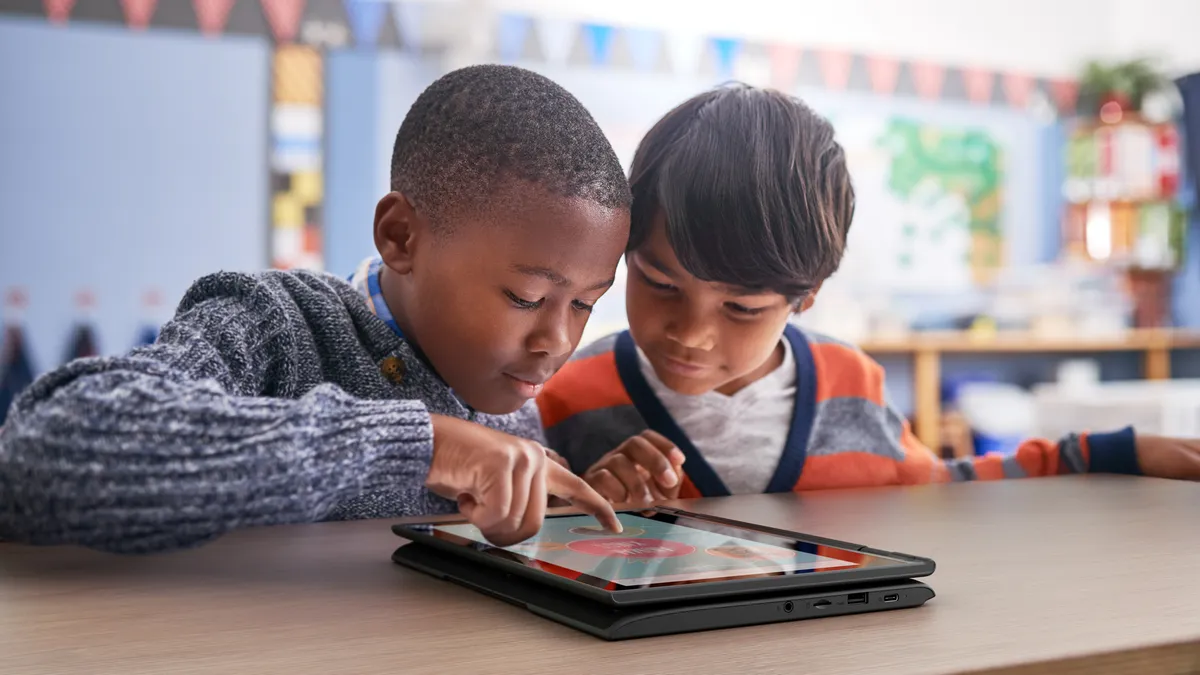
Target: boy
<point>741,206</point>
<point>292,397</point>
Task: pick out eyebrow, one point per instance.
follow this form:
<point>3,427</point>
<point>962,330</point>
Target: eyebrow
<point>556,278</point>
<point>743,291</point>
<point>655,263</point>
<point>730,289</point>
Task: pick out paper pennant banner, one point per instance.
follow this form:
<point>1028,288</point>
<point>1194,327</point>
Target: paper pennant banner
<point>284,17</point>
<point>513,30</point>
<point>557,37</point>
<point>138,12</point>
<point>785,65</point>
<point>884,72</point>
<point>979,83</point>
<point>58,11</point>
<point>727,52</point>
<point>1017,88</point>
<point>928,79</point>
<point>599,40</point>
<point>685,50</point>
<point>211,15</point>
<point>366,19</point>
<point>1066,95</point>
<point>645,46</point>
<point>16,367</point>
<point>835,68</point>
<point>409,18</point>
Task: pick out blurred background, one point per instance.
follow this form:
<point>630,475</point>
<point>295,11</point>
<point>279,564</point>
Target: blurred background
<point>1023,259</point>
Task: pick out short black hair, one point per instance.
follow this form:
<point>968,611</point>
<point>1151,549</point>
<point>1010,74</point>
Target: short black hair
<point>476,128</point>
<point>753,187</point>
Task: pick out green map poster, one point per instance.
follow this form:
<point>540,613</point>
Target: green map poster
<point>929,204</point>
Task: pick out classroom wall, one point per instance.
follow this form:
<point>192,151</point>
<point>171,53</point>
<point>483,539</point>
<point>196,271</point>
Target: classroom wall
<point>368,94</point>
<point>129,162</point>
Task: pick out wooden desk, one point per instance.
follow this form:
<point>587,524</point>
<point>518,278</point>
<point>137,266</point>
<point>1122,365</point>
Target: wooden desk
<point>1101,571</point>
<point>926,350</point>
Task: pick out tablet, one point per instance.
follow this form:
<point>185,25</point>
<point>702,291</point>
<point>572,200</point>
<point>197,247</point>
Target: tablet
<point>663,618</point>
<point>667,554</point>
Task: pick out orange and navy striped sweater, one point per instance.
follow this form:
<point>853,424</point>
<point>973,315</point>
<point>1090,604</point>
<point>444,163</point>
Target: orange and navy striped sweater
<point>843,432</point>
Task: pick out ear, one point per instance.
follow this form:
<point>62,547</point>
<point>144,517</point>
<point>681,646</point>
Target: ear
<point>398,229</point>
<point>809,299</point>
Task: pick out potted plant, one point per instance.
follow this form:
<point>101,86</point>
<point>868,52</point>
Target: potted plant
<point>1124,84</point>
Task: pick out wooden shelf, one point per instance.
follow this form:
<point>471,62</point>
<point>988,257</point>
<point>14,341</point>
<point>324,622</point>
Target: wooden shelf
<point>926,349</point>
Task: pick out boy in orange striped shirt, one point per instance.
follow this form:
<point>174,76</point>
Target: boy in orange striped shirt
<point>741,206</point>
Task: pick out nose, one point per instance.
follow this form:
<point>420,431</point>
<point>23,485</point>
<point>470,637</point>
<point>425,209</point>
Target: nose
<point>552,335</point>
<point>688,326</point>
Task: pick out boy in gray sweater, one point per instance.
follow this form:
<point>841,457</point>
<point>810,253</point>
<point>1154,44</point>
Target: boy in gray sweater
<point>289,397</point>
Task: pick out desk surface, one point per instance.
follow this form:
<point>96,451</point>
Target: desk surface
<point>1028,571</point>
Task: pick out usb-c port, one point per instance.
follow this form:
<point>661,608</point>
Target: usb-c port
<point>891,597</point>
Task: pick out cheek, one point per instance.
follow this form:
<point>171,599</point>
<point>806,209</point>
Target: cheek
<point>747,346</point>
<point>640,309</point>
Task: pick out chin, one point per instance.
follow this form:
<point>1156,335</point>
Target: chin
<point>686,385</point>
<point>500,405</point>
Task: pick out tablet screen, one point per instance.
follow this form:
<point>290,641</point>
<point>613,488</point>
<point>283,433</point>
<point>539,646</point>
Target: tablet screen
<point>658,549</point>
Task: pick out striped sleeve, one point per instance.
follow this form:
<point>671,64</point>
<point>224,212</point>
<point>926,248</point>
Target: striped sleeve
<point>860,439</point>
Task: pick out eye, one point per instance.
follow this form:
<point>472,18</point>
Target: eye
<point>582,306</point>
<point>744,310</point>
<point>654,284</point>
<point>523,303</point>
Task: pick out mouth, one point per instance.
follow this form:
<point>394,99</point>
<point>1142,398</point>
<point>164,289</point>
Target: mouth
<point>682,366</point>
<point>528,385</point>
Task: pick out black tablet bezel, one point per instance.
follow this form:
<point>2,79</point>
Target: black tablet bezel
<point>906,567</point>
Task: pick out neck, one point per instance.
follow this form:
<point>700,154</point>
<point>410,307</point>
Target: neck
<point>394,294</point>
<point>768,366</point>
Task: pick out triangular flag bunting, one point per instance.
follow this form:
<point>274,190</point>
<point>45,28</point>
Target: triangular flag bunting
<point>211,15</point>
<point>366,19</point>
<point>645,46</point>
<point>979,82</point>
<point>16,368</point>
<point>1017,88</point>
<point>147,336</point>
<point>727,52</point>
<point>138,12</point>
<point>686,50</point>
<point>884,73</point>
<point>556,36</point>
<point>58,11</point>
<point>409,19</point>
<point>513,31</point>
<point>1066,95</point>
<point>83,342</point>
<point>928,79</point>
<point>835,68</point>
<point>785,65</point>
<point>284,17</point>
<point>599,39</point>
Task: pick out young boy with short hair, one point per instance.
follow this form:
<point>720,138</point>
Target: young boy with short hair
<point>289,397</point>
<point>741,205</point>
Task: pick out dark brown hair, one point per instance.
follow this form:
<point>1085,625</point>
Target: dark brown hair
<point>753,187</point>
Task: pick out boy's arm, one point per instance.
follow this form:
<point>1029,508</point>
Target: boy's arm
<point>1076,453</point>
<point>171,446</point>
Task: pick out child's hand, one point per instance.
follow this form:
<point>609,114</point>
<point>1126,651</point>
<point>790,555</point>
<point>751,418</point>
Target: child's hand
<point>642,470</point>
<point>502,482</point>
<point>1162,457</point>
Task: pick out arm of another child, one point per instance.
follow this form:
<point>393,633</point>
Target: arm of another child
<point>173,445</point>
<point>170,446</point>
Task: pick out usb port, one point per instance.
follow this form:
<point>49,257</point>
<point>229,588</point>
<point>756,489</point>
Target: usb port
<point>891,597</point>
<point>856,599</point>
